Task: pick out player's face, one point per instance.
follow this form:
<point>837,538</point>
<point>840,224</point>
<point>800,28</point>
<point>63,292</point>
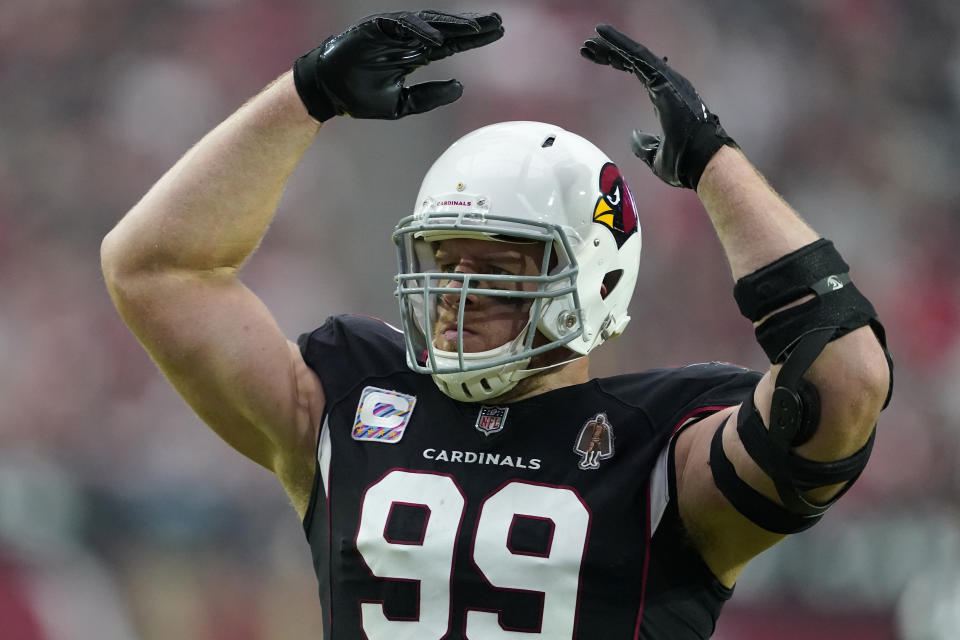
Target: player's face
<point>489,321</point>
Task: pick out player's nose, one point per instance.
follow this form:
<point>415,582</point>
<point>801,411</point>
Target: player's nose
<point>463,279</point>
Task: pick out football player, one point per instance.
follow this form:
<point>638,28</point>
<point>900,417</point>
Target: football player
<point>464,476</point>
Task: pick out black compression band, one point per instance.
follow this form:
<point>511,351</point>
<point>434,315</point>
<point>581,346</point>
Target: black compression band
<point>753,505</point>
<point>815,270</point>
<point>841,311</point>
<point>808,269</point>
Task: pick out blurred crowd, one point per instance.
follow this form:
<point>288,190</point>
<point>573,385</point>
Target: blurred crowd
<point>122,517</point>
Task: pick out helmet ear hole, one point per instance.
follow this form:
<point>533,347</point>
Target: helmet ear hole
<point>610,281</point>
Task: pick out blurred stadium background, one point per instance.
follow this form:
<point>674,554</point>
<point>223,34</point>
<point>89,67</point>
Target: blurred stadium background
<point>122,517</point>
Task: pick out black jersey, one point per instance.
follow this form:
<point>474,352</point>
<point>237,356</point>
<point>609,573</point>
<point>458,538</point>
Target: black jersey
<point>432,518</point>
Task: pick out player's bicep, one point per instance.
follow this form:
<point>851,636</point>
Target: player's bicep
<point>726,538</point>
<point>223,352</point>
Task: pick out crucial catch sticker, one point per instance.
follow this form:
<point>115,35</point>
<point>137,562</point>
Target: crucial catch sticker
<point>382,415</point>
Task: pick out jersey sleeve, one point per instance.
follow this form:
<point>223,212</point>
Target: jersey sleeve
<point>348,349</point>
<point>672,396</point>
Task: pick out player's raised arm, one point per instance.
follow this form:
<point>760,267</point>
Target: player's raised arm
<point>171,263</point>
<point>772,466</point>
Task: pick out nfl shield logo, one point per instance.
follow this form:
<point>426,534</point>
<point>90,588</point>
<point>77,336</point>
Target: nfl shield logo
<point>491,419</point>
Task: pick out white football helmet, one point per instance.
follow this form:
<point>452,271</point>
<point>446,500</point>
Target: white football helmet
<point>519,182</point>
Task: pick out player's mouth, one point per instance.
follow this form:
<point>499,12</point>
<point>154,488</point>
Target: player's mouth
<point>446,336</point>
<point>451,334</point>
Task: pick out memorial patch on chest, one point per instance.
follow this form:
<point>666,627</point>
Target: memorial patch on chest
<point>382,415</point>
<point>595,442</point>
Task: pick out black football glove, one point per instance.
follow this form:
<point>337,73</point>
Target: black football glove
<point>361,72</point>
<point>691,133</point>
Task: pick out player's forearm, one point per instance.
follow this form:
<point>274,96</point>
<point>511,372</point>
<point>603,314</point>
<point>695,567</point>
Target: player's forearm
<point>211,209</point>
<point>754,224</point>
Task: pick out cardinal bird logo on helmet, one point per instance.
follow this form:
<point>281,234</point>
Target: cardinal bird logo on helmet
<point>615,208</point>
